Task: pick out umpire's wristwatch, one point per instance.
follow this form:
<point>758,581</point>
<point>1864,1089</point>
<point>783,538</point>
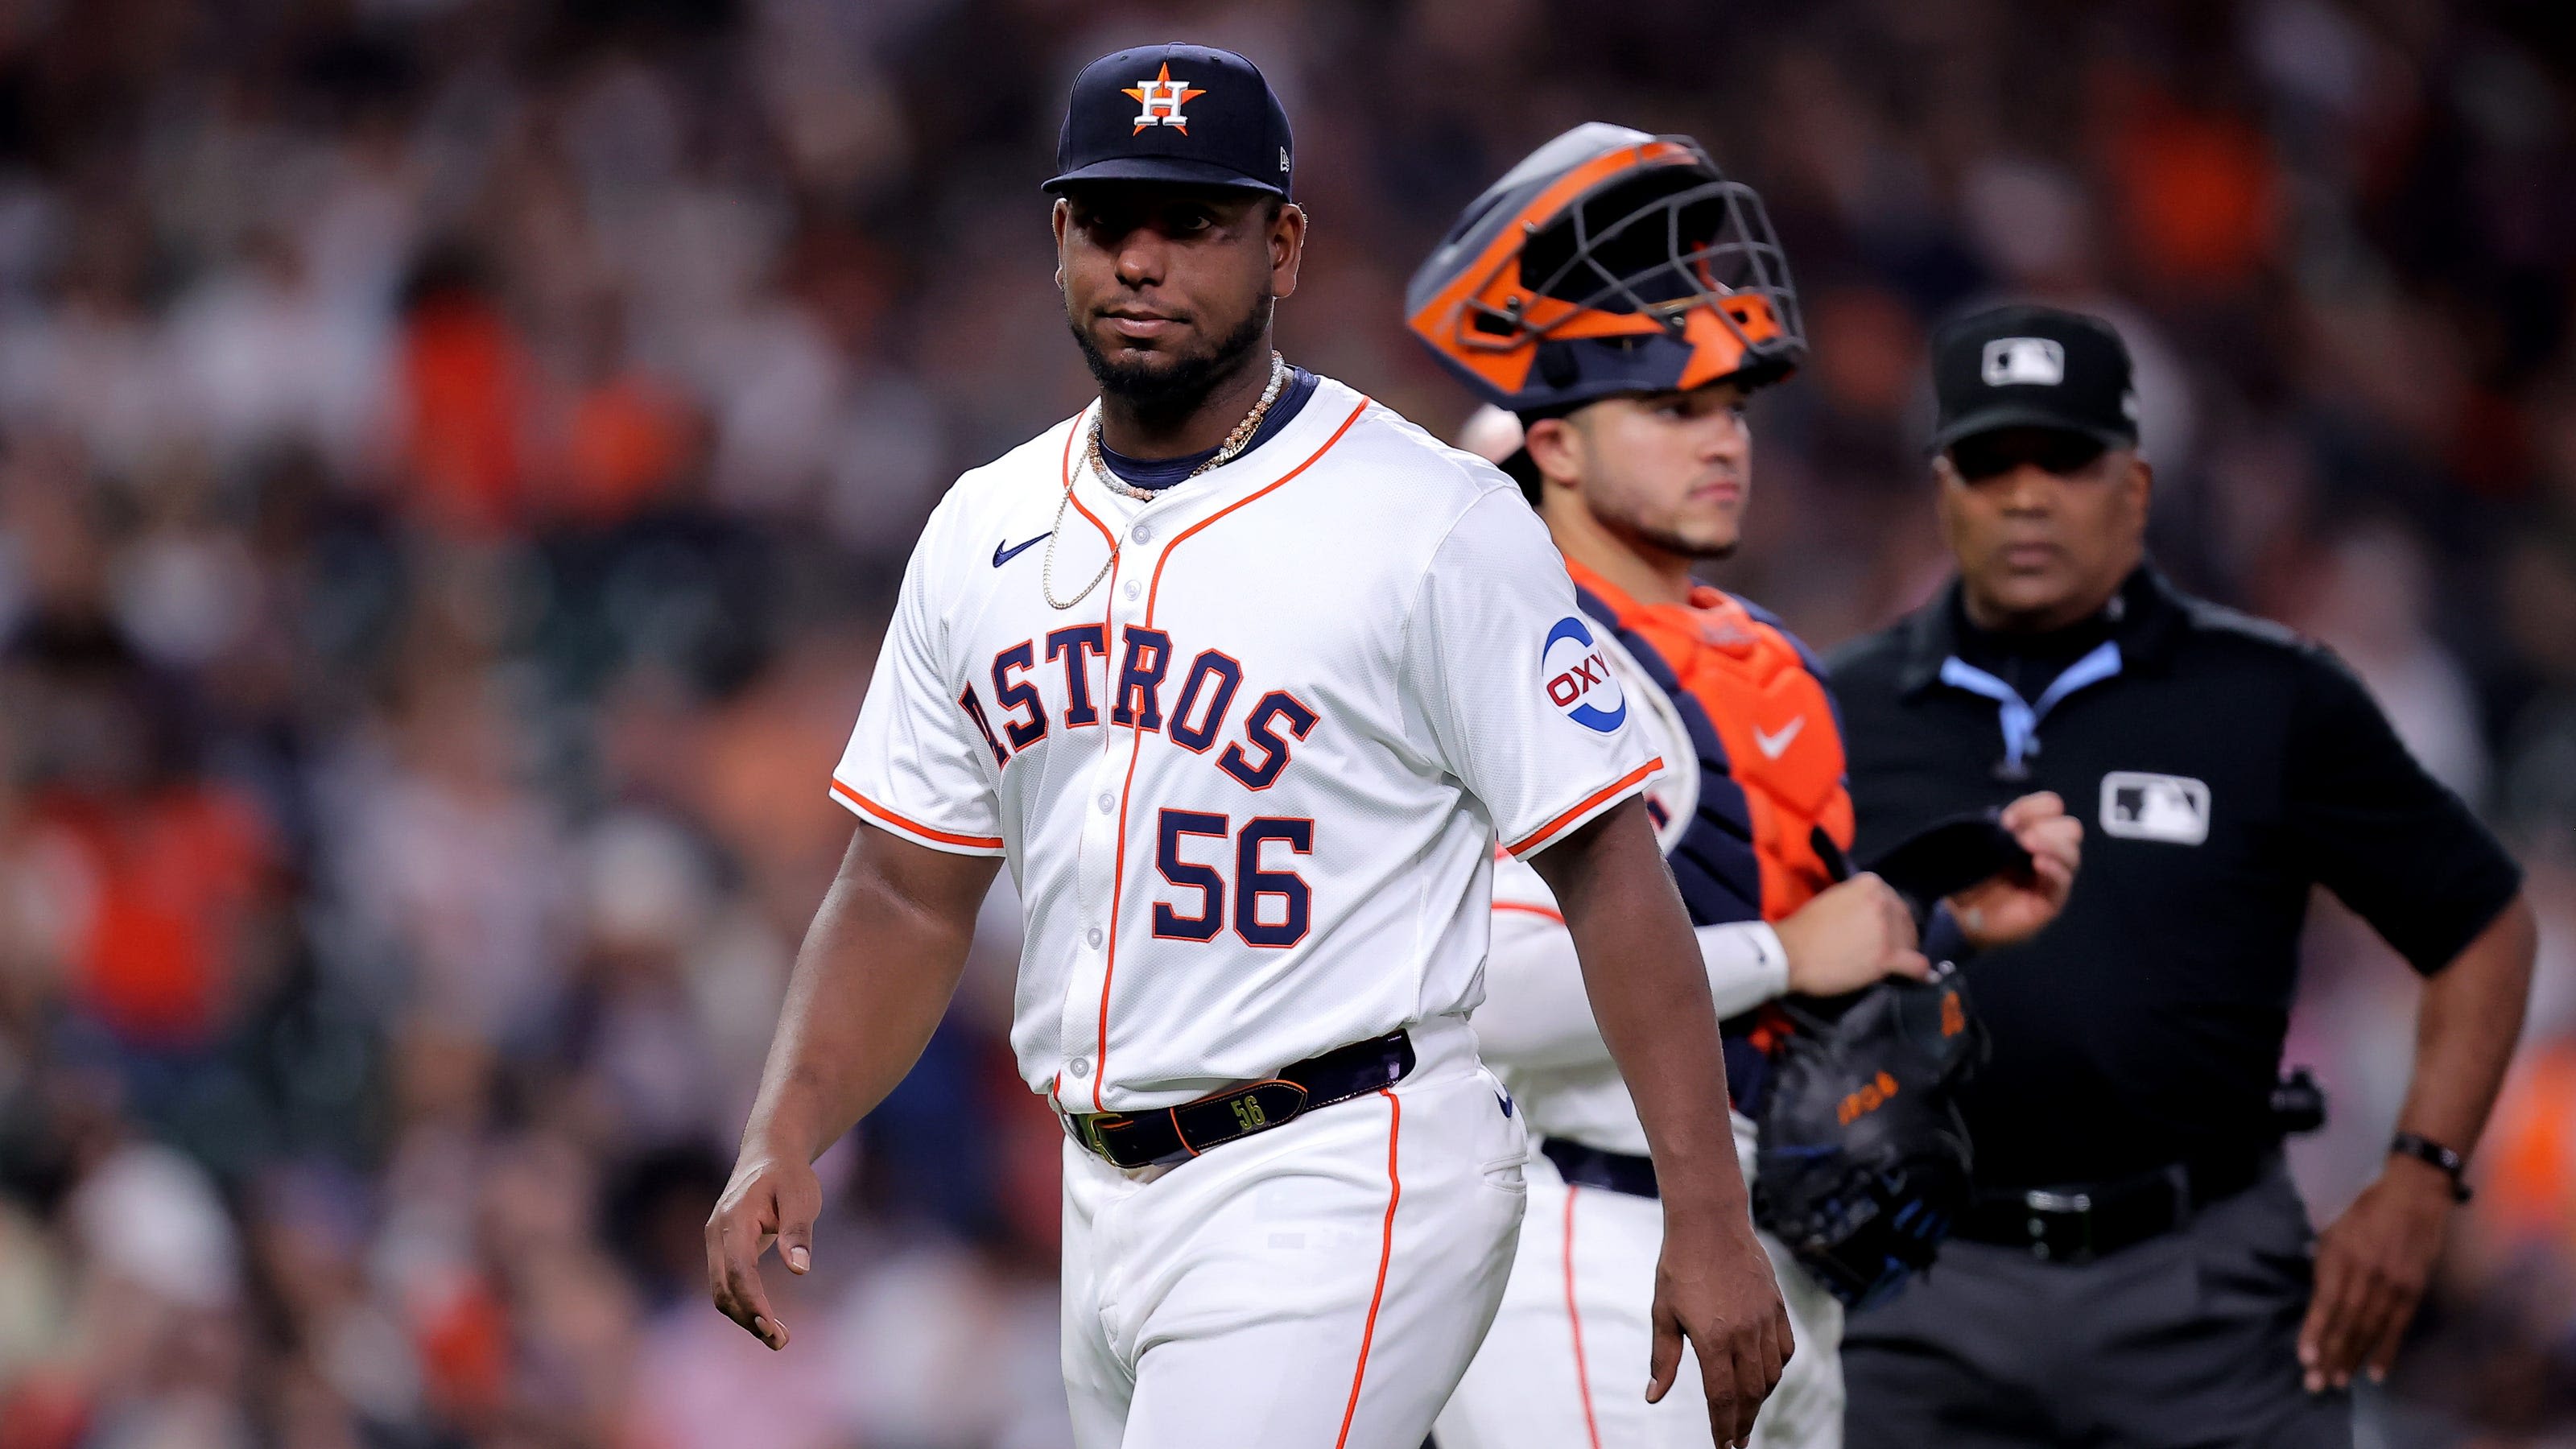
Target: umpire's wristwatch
<point>2425,1149</point>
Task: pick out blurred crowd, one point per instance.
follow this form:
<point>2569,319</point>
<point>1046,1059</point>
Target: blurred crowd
<point>455,456</point>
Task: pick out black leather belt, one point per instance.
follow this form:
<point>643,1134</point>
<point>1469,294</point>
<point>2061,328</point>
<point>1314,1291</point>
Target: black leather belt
<point>1591,1167</point>
<point>2077,1224</point>
<point>1177,1134</point>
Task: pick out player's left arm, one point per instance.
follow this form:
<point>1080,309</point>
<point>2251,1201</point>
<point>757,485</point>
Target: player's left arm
<point>2409,857</point>
<point>1642,972</point>
<point>1501,693</point>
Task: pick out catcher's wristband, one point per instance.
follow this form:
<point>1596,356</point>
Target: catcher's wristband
<point>2425,1149</point>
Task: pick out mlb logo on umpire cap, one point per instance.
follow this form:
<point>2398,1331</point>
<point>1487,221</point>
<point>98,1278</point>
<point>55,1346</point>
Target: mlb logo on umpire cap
<point>2024,362</point>
<point>1180,114</point>
<point>2027,366</point>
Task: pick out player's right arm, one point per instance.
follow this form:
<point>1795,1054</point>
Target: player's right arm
<point>1536,1014</point>
<point>886,947</point>
<point>871,982</point>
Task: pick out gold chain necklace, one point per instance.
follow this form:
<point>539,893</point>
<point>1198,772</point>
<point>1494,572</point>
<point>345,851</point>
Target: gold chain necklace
<point>1235,443</point>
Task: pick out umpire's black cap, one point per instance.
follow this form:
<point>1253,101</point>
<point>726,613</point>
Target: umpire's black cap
<point>2028,366</point>
<point>1185,113</point>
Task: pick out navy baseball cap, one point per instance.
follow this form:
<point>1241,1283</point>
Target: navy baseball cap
<point>2028,366</point>
<point>1185,113</point>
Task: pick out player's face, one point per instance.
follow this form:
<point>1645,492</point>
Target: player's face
<point>1168,289</point>
<point>1669,470</point>
<point>2044,524</point>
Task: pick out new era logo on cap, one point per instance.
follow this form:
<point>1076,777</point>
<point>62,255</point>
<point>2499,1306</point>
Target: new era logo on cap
<point>2024,362</point>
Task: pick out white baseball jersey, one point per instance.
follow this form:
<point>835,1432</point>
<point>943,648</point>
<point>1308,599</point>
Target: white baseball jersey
<point>1251,784</point>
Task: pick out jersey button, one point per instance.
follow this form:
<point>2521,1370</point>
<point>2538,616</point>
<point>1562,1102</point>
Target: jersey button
<point>1134,587</point>
<point>1108,802</point>
<point>1081,1068</point>
<point>1092,937</point>
<point>1144,534</point>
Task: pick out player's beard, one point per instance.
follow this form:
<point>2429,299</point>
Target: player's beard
<point>1173,385</point>
<point>1674,543</point>
<point>1670,542</point>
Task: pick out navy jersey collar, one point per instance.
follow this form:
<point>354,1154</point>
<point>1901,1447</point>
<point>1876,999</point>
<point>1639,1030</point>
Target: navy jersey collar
<point>1158,473</point>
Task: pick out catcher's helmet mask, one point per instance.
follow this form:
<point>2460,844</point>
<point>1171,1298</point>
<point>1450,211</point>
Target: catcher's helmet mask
<point>1609,262</point>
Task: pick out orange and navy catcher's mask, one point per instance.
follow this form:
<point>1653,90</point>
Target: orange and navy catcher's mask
<point>1608,261</point>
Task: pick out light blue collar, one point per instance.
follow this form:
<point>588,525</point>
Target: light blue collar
<point>2020,718</point>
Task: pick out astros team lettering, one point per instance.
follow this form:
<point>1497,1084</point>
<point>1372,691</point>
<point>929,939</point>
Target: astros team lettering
<point>1138,684</point>
<point>1271,907</point>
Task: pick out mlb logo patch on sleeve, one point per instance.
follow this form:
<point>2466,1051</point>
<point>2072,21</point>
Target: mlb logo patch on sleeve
<point>2173,809</point>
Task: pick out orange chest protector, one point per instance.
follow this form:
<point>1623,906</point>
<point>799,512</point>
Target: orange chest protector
<point>1772,800</point>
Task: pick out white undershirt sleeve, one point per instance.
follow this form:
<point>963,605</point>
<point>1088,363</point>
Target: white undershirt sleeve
<point>1536,1013</point>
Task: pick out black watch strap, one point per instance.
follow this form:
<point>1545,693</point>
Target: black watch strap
<point>2425,1149</point>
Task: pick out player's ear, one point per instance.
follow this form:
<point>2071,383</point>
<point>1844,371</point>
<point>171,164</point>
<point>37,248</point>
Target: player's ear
<point>1554,448</point>
<point>1287,248</point>
<point>1059,217</point>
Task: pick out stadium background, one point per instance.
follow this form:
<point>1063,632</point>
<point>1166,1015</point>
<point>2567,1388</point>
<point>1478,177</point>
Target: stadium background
<point>455,455</point>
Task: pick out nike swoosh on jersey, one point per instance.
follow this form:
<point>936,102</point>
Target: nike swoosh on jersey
<point>1003,555</point>
<point>1771,745</point>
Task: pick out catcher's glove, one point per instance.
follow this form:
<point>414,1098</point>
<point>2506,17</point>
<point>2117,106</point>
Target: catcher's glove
<point>1863,1159</point>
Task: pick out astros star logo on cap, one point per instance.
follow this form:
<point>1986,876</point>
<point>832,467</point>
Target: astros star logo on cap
<point>1161,98</point>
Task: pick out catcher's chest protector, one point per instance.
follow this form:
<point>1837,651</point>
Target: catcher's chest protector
<point>1778,750</point>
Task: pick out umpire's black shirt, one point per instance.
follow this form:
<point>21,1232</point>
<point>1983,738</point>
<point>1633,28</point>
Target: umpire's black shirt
<point>2221,766</point>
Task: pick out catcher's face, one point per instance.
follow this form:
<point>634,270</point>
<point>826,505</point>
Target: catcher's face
<point>1668,472</point>
<point>1165,286</point>
<point>2044,524</point>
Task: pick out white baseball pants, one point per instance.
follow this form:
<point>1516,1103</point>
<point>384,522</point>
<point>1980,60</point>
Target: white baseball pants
<point>1321,1285</point>
<point>1565,1366</point>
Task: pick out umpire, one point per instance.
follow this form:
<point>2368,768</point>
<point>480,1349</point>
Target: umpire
<point>2135,1267</point>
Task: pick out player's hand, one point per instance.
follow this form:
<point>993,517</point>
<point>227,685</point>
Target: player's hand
<point>2372,1266</point>
<point>1713,1286</point>
<point>2012,905</point>
<point>770,1200</point>
<point>1856,933</point>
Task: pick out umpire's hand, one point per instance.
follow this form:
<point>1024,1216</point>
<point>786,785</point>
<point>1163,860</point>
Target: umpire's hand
<point>1713,1285</point>
<point>770,1200</point>
<point>2372,1267</point>
<point>2012,906</point>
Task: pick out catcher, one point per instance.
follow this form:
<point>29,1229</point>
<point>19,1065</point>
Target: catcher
<point>1622,298</point>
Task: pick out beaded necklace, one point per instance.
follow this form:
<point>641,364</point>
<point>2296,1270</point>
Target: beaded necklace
<point>1235,443</point>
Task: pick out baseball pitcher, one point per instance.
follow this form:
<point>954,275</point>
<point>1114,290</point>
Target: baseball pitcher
<point>1245,678</point>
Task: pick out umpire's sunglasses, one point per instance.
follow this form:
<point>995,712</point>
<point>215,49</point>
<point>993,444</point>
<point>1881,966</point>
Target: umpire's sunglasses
<point>1981,456</point>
